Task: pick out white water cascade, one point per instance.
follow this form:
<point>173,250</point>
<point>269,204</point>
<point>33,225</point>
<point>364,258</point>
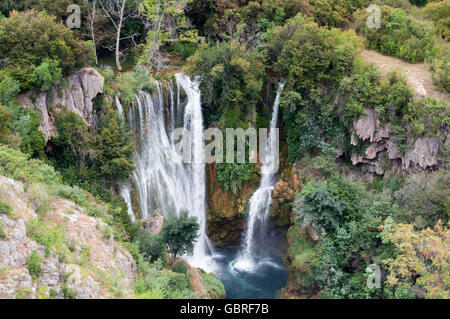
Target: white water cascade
<point>163,183</point>
<point>260,201</point>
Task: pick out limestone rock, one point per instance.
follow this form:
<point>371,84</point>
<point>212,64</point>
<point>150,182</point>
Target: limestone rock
<point>83,86</point>
<point>93,262</point>
<point>424,153</point>
<point>370,128</point>
<point>154,224</point>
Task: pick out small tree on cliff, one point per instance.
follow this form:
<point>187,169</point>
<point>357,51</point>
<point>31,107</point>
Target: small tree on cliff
<point>180,233</point>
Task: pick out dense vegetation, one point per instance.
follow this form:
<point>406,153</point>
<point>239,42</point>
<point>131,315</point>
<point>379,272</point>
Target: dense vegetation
<point>239,50</point>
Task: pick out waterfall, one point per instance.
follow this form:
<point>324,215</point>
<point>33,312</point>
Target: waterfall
<point>163,183</point>
<point>260,201</point>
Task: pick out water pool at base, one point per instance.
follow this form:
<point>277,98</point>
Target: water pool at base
<point>268,277</point>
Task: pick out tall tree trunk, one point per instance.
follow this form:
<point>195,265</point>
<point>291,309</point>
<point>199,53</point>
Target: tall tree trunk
<point>119,27</point>
<point>94,4</point>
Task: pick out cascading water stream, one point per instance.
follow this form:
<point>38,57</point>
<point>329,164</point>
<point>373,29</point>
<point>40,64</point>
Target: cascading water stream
<point>164,183</point>
<point>260,201</point>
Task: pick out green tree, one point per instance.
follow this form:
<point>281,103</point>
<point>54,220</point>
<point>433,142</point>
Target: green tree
<point>4,119</point>
<point>30,37</point>
<point>231,78</point>
<point>180,233</point>
<point>46,75</point>
<point>421,263</point>
<point>113,148</point>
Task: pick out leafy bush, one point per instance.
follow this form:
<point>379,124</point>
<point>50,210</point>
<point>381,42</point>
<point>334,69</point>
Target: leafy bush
<point>400,35</point>
<point>315,204</point>
<point>179,267</point>
<point>439,13</point>
<point>34,262</point>
<point>46,75</point>
<point>232,175</point>
<point>17,165</point>
<point>131,82</point>
<point>5,208</point>
<point>2,230</point>
<point>230,79</point>
<point>31,37</point>
<point>306,55</point>
<point>40,196</point>
<point>43,234</point>
<point>423,200</point>
<point>150,246</point>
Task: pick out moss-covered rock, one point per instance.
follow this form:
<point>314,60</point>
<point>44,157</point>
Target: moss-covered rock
<point>213,286</point>
<point>226,211</point>
<point>300,261</point>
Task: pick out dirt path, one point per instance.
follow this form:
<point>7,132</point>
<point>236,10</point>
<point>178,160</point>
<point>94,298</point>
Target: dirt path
<point>418,76</point>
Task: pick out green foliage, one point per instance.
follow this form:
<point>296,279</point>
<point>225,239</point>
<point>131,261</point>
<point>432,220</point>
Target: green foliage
<point>46,75</point>
<point>420,267</point>
<point>232,175</point>
<point>400,35</point>
<point>2,230</point>
<point>179,267</point>
<point>51,238</point>
<point>424,200</point>
<point>113,149</point>
<point>5,208</point>
<point>33,141</point>
<point>8,89</point>
<point>318,206</point>
<point>305,54</point>
<point>231,78</point>
<point>439,13</point>
<point>150,246</point>
<point>33,39</point>
<point>214,287</point>
<point>180,233</point>
<point>17,165</point>
<point>131,82</point>
<point>34,263</point>
<point>4,129</point>
<point>335,13</point>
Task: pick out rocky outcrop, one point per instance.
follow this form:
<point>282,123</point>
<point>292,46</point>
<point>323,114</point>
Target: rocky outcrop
<point>154,224</point>
<point>226,211</point>
<point>283,195</point>
<point>82,87</point>
<point>83,263</point>
<point>382,154</point>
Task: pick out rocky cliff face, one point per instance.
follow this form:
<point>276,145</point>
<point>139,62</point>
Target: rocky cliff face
<point>381,148</point>
<point>91,265</point>
<point>226,211</point>
<point>82,87</point>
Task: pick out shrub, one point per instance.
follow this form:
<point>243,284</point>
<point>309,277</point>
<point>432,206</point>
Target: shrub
<point>43,234</point>
<point>31,37</point>
<point>2,230</point>
<point>46,75</point>
<point>34,262</point>
<point>232,175</point>
<point>179,267</point>
<point>306,55</point>
<point>40,196</point>
<point>150,246</point>
<point>400,35</point>
<point>230,79</point>
<point>5,208</point>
